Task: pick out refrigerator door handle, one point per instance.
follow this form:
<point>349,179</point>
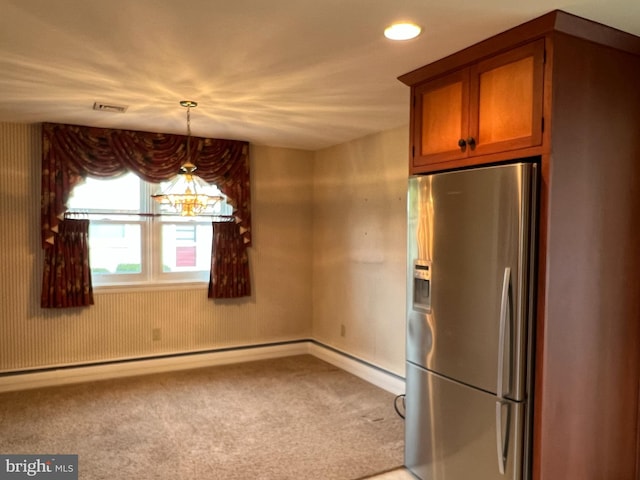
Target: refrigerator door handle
<point>502,441</point>
<point>504,310</point>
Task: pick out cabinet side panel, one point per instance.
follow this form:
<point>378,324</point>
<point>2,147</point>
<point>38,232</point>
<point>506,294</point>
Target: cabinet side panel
<point>587,414</point>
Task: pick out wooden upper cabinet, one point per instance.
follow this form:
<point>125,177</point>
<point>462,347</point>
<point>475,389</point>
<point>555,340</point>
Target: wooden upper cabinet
<point>441,110</point>
<point>494,105</point>
<point>506,113</point>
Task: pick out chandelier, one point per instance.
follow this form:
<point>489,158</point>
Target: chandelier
<point>187,194</point>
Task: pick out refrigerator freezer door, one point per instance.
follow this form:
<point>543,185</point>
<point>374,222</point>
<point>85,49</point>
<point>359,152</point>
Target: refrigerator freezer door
<point>456,432</point>
<point>474,230</point>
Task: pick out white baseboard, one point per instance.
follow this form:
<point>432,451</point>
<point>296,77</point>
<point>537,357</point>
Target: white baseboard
<point>70,375</point>
<point>360,368</point>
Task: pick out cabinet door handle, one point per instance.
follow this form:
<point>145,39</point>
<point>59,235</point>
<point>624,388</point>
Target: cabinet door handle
<point>471,141</point>
<point>462,143</point>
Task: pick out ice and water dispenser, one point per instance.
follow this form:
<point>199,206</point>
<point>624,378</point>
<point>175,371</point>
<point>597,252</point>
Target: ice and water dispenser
<point>422,286</point>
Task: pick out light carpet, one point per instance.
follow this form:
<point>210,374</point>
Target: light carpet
<point>288,418</point>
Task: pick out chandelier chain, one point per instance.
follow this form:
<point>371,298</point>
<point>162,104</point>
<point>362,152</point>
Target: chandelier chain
<point>189,133</point>
<point>189,121</point>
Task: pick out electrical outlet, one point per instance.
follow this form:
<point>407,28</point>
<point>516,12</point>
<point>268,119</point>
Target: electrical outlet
<point>156,334</point>
<point>343,330</point>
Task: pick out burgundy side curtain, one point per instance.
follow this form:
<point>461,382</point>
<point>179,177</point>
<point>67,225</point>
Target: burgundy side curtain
<point>66,280</point>
<point>70,153</point>
<point>229,263</point>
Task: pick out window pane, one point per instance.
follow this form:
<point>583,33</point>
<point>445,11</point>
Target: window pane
<point>186,247</point>
<point>126,248</point>
<point>115,248</point>
<point>122,193</point>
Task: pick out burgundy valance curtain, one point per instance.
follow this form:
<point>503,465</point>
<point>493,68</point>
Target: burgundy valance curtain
<point>71,153</point>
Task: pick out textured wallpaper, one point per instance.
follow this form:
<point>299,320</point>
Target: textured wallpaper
<point>121,324</point>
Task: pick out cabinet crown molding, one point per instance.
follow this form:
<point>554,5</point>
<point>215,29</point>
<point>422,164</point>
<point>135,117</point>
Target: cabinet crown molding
<point>556,21</point>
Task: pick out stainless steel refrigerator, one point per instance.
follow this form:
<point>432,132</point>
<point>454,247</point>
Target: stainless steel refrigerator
<point>469,323</point>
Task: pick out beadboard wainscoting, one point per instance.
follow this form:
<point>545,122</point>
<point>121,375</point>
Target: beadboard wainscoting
<point>146,322</point>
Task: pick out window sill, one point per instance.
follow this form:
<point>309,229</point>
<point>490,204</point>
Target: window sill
<point>149,287</point>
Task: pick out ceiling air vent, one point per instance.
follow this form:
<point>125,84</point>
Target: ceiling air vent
<point>105,107</point>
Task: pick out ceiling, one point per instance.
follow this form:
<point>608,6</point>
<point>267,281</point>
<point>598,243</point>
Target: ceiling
<point>292,73</point>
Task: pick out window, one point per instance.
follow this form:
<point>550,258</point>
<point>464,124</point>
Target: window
<point>127,248</point>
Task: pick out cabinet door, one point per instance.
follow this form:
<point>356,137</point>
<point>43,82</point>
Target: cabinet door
<point>440,119</point>
<point>506,100</point>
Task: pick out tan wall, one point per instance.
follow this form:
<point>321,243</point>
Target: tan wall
<point>350,247</point>
<point>359,251</point>
<point>120,325</point>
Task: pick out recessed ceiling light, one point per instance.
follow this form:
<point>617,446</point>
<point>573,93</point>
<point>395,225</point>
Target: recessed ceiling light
<point>402,31</point>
